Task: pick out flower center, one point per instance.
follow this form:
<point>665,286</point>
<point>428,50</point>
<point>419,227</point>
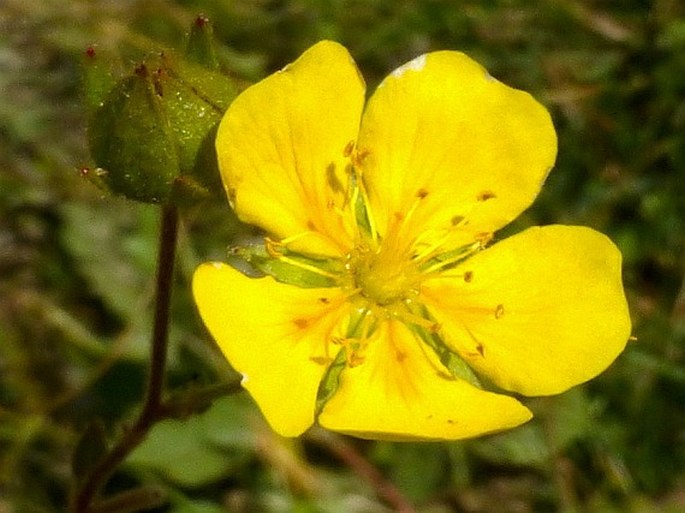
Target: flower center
<point>384,276</point>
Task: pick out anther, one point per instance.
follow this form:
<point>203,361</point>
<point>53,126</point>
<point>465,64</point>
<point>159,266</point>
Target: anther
<point>360,156</point>
<point>457,220</point>
<point>332,178</point>
<point>421,193</point>
<point>301,323</point>
<point>484,237</point>
<point>485,195</point>
<point>273,248</point>
<point>468,276</point>
<point>499,311</point>
<point>355,361</point>
<point>349,148</point>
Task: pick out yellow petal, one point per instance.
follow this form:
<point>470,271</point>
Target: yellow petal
<point>441,132</point>
<point>275,335</point>
<point>280,148</point>
<point>401,392</point>
<point>539,312</point>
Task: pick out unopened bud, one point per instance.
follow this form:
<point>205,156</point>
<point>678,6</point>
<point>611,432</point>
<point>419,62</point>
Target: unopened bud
<point>153,132</point>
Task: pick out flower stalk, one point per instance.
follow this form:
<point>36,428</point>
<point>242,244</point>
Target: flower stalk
<point>86,497</point>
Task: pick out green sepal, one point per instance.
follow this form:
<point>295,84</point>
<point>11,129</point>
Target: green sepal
<point>195,100</point>
<point>89,450</point>
<point>98,78</point>
<point>331,380</point>
<point>288,267</point>
<point>200,47</point>
<point>452,361</point>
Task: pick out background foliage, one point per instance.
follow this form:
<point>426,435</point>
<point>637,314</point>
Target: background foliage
<point>76,266</point>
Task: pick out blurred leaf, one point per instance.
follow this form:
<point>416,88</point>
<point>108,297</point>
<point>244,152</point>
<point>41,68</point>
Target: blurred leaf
<point>569,417</point>
<point>523,446</point>
<point>195,506</point>
<point>418,469</point>
<point>114,245</point>
<point>200,450</point>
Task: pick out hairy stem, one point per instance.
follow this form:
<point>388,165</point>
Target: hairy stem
<point>152,409</point>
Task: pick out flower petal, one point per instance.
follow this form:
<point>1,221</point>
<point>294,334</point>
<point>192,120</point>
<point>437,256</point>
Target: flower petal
<point>401,392</point>
<point>442,132</point>
<point>274,335</point>
<point>281,149</point>
<point>540,312</point>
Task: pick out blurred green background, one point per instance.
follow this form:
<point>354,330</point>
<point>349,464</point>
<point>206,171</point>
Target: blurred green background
<point>77,266</point>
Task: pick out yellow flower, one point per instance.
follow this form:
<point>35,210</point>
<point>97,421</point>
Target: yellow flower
<point>388,309</point>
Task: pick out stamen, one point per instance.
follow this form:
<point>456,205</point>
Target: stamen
<point>484,238</point>
<point>301,323</point>
<point>360,192</point>
<point>407,316</point>
<point>275,248</point>
<point>442,371</point>
<point>485,195</point>
<point>458,221</point>
<point>480,348</point>
<point>465,252</point>
<point>349,148</point>
<point>354,346</point>
<point>332,178</point>
<point>402,220</point>
<point>430,250</point>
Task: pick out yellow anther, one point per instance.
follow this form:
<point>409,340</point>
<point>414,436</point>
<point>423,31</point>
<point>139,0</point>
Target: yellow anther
<point>485,195</point>
<point>349,148</point>
<point>273,248</point>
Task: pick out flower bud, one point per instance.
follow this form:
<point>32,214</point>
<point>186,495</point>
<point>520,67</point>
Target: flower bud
<point>152,134</point>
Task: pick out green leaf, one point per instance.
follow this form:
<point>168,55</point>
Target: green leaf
<point>523,446</point>
<point>113,247</point>
<point>200,450</point>
<point>415,468</point>
<point>569,417</point>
